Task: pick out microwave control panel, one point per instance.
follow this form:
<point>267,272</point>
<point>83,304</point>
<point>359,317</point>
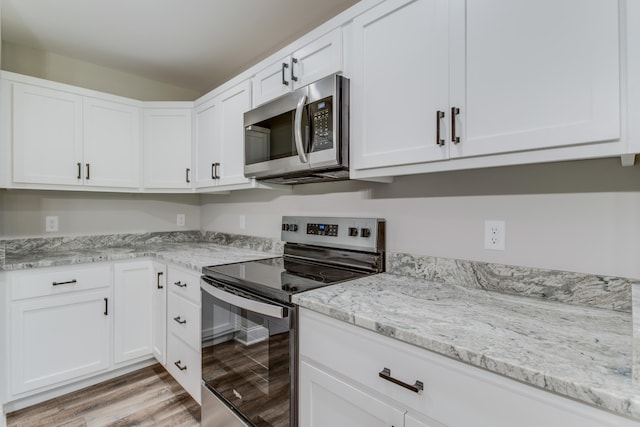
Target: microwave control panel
<point>321,113</point>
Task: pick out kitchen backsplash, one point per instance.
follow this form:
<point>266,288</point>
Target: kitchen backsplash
<point>263,244</point>
<point>568,287</point>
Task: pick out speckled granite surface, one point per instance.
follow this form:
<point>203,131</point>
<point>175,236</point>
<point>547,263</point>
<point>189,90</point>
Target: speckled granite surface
<point>185,249</point>
<point>571,288</point>
<point>581,352</point>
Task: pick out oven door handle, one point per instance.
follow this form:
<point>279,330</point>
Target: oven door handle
<point>246,303</point>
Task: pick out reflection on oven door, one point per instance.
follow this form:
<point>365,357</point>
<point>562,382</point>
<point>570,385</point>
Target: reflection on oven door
<point>246,360</point>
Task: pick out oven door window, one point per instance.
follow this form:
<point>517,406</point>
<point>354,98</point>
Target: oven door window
<point>246,359</point>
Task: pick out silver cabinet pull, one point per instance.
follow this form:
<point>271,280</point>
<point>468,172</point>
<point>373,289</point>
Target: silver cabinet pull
<point>160,273</point>
<point>454,112</point>
<point>180,284</point>
<point>213,171</point>
<point>439,117</point>
<point>68,282</point>
<point>284,81</point>
<point>293,77</point>
<point>179,320</point>
<point>182,368</point>
<point>386,375</point>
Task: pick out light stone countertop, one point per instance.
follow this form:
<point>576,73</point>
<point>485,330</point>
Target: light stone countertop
<point>191,255</point>
<point>581,352</point>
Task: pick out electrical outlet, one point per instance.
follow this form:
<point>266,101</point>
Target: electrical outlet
<point>180,220</point>
<point>494,235</point>
<point>51,224</point>
<point>243,222</point>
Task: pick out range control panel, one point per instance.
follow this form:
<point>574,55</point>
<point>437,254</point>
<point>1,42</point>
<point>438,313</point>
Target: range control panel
<point>365,234</point>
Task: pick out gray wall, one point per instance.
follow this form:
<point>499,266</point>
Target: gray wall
<point>47,65</point>
<point>22,212</point>
<point>575,216</point>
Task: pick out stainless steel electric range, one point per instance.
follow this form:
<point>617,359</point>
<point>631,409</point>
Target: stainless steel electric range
<point>249,325</point>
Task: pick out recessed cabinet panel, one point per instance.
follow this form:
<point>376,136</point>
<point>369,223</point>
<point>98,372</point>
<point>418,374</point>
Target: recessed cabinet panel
<point>272,82</point>
<point>232,106</point>
<point>59,338</point>
<point>401,80</point>
<point>47,136</point>
<point>534,74</point>
<point>318,59</point>
<point>207,143</point>
<point>167,148</point>
<point>112,144</point>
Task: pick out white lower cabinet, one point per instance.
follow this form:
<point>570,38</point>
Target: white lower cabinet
<point>183,329</point>
<point>340,366</point>
<point>60,326</point>
<point>133,300</point>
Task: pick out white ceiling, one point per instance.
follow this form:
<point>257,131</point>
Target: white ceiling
<point>194,44</point>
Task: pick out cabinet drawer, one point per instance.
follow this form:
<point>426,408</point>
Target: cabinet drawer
<point>184,283</point>
<point>183,363</point>
<point>184,320</point>
<point>43,282</point>
<point>455,393</point>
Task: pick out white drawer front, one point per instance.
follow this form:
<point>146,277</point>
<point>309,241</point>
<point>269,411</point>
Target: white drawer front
<point>58,280</point>
<point>183,363</point>
<point>184,320</point>
<point>184,283</point>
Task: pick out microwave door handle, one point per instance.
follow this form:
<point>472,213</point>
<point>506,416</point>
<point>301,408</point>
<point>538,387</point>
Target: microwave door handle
<point>298,129</point>
<point>246,303</point>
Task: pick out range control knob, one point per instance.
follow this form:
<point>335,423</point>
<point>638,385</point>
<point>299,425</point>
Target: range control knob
<point>353,231</point>
<point>293,227</point>
<point>365,232</point>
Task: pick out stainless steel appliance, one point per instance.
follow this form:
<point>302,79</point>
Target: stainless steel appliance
<point>302,136</point>
<point>250,331</point>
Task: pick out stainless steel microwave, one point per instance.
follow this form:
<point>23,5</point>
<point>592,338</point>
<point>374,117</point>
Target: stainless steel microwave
<point>300,137</point>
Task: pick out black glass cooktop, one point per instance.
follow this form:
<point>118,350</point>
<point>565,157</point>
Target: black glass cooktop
<point>280,277</point>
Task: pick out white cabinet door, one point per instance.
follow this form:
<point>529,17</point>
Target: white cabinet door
<point>167,148</point>
<point>47,136</point>
<point>232,105</point>
<point>534,74</point>
<point>326,401</point>
<point>207,143</point>
<point>59,338</point>
<point>159,313</point>
<point>318,59</point>
<point>312,62</point>
<point>400,82</point>
<point>272,82</point>
<point>111,144</point>
<point>133,298</point>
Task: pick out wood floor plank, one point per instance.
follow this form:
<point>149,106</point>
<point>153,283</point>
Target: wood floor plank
<point>147,397</point>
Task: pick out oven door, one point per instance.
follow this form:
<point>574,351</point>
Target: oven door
<point>248,354</point>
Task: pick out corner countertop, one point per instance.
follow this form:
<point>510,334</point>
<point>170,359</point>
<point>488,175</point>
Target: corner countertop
<point>580,352</point>
<point>190,255</point>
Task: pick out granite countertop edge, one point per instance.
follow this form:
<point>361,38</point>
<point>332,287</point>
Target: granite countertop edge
<point>621,398</point>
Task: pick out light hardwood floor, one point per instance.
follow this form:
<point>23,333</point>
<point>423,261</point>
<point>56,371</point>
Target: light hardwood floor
<point>147,397</point>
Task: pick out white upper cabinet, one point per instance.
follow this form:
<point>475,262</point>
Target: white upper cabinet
<point>534,74</point>
<point>167,148</point>
<point>111,144</point>
<point>318,59</point>
<point>47,136</point>
<point>400,82</point>
<point>219,138</point>
<point>434,80</point>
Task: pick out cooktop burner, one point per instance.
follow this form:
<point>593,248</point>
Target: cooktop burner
<point>280,277</point>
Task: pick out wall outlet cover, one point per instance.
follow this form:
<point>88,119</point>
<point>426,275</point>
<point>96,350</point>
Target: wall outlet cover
<point>494,235</point>
<point>50,224</point>
<point>180,220</point>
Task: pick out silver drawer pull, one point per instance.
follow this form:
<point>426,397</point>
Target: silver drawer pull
<point>180,284</point>
<point>177,319</point>
<point>182,368</point>
<point>386,374</point>
<point>69,282</point>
